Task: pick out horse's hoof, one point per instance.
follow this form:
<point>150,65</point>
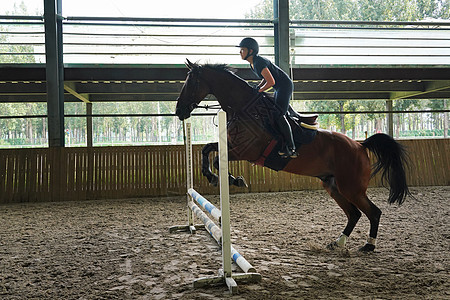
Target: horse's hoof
<point>240,182</point>
<point>367,248</point>
<point>333,246</point>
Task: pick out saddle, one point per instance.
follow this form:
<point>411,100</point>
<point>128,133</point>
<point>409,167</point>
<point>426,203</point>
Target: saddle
<point>262,108</point>
<point>306,120</point>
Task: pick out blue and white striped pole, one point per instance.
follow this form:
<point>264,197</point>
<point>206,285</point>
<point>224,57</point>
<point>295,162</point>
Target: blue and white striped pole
<point>208,206</point>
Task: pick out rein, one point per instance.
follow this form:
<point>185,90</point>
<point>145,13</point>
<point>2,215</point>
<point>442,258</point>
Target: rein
<point>214,106</point>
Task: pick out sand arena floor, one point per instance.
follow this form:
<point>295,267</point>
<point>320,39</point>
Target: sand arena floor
<point>122,249</point>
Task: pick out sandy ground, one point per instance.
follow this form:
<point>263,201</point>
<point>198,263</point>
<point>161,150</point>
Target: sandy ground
<point>122,249</point>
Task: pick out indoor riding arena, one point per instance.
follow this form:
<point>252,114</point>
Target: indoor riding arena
<point>102,192</point>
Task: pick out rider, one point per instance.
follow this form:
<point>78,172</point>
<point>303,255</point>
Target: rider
<point>272,76</point>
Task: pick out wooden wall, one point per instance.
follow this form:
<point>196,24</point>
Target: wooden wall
<point>28,175</point>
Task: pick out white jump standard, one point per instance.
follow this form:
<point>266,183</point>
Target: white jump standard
<point>220,234</point>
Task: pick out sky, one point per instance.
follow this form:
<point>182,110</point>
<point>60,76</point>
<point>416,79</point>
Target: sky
<point>223,9</point>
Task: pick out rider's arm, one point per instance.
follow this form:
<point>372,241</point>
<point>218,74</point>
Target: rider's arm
<point>269,80</point>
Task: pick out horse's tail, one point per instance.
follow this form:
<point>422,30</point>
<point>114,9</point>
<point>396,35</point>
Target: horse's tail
<point>391,159</point>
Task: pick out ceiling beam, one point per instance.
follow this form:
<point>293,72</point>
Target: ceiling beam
<point>357,86</point>
<point>36,72</point>
<point>429,87</point>
<point>70,87</point>
<point>341,96</point>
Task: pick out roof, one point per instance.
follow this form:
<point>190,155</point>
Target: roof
<point>107,82</point>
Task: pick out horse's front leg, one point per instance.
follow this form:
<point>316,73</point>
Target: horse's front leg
<point>206,168</point>
<point>237,181</point>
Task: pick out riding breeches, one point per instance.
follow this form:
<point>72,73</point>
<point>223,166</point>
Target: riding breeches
<point>282,96</point>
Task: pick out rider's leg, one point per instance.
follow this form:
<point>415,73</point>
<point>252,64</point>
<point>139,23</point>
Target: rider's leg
<point>282,96</point>
<point>286,132</point>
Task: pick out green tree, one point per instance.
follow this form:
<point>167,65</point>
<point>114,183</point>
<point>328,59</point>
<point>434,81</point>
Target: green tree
<point>7,47</point>
<point>19,131</point>
<point>440,120</point>
<point>369,10</point>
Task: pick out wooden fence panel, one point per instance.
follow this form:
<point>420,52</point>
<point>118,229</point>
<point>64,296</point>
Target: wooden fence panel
<point>56,174</point>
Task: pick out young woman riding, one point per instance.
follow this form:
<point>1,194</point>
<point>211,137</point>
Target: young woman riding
<point>272,76</point>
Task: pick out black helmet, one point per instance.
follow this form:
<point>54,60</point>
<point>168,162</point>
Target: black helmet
<point>250,43</point>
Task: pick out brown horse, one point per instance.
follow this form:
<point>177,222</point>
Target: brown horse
<point>341,163</point>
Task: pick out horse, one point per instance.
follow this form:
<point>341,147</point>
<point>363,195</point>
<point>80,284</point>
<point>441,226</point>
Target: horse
<point>342,164</point>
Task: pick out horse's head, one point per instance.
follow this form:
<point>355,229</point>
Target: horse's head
<point>194,90</point>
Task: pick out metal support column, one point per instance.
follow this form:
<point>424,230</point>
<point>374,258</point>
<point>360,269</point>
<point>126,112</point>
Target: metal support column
<point>54,72</point>
<point>281,33</point>
<point>445,119</point>
<point>275,33</point>
<point>390,118</point>
<point>89,134</point>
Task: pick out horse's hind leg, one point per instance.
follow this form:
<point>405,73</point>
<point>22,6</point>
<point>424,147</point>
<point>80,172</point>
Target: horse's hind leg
<point>358,199</point>
<point>373,213</point>
<point>353,214</point>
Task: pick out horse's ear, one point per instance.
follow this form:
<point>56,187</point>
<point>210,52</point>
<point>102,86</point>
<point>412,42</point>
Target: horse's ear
<point>189,64</point>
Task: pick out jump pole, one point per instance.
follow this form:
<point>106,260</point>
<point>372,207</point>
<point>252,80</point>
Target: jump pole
<point>222,234</point>
<point>216,232</point>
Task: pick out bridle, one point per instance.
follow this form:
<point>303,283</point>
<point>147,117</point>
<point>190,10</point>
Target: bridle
<point>194,90</point>
<point>214,106</point>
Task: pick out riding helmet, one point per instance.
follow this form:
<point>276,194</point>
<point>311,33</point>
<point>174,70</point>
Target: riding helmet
<point>250,43</point>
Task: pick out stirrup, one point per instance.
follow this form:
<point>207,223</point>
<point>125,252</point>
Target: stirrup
<point>288,153</point>
<point>292,154</point>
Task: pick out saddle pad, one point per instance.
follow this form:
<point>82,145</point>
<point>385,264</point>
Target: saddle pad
<point>273,160</point>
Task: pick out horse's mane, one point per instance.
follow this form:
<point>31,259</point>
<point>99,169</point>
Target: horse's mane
<point>223,68</point>
<point>220,68</point>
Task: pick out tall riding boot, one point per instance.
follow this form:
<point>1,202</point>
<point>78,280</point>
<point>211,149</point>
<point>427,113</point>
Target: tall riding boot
<point>286,132</point>
<point>293,113</point>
